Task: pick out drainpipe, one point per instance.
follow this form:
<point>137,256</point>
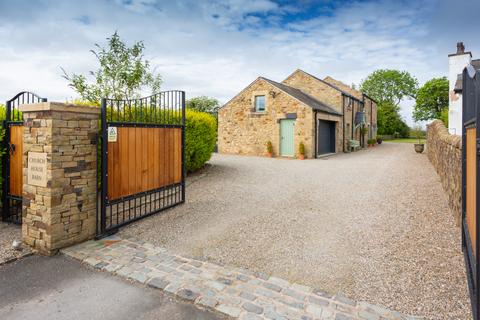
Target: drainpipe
<point>353,117</point>
<point>343,121</point>
<point>315,138</point>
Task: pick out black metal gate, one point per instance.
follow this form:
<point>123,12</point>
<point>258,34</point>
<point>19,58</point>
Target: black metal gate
<point>12,159</point>
<point>143,158</point>
<point>470,182</point>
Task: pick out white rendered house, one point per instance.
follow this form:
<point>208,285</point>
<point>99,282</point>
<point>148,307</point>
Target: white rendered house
<point>456,63</point>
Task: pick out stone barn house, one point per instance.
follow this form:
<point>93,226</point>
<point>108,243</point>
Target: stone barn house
<point>323,114</point>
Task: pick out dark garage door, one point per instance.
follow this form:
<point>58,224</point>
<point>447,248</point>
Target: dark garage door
<point>325,137</point>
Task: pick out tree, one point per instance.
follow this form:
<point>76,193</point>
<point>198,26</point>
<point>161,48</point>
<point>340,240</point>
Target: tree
<point>390,86</point>
<point>203,104</point>
<point>123,73</point>
<point>390,122</point>
<point>432,99</point>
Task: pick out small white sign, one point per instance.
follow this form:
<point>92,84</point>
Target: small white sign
<point>112,134</point>
<point>37,169</point>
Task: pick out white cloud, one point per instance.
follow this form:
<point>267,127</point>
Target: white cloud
<point>217,48</point>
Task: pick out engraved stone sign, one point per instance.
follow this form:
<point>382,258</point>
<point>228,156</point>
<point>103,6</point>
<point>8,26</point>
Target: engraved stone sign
<point>37,169</point>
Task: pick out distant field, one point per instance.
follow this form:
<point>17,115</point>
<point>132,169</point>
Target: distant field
<point>406,140</point>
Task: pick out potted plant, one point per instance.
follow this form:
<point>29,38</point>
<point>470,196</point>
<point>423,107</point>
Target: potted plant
<point>269,149</point>
<point>419,147</point>
<point>379,139</point>
<point>371,142</point>
<point>363,130</point>
<point>301,151</point>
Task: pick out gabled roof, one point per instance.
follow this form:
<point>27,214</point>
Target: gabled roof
<point>303,97</point>
<point>459,83</point>
<point>332,85</point>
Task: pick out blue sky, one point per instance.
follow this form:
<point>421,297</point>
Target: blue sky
<point>216,48</point>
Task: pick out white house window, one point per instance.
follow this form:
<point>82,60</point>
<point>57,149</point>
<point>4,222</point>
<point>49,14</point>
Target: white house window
<point>259,103</point>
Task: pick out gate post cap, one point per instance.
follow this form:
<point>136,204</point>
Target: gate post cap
<point>59,106</point>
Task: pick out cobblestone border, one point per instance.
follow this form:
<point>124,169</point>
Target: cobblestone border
<point>235,292</point>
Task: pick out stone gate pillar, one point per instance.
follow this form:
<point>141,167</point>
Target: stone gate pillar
<point>59,175</point>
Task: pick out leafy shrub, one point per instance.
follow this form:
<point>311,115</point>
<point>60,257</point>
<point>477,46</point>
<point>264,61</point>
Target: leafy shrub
<point>269,147</point>
<point>200,138</point>
<point>444,116</point>
<point>301,148</point>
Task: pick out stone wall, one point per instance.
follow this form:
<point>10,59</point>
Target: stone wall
<point>445,153</point>
<point>64,211</point>
<point>241,130</point>
<point>316,88</point>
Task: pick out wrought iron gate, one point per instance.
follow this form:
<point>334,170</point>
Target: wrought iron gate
<point>470,182</point>
<point>143,158</point>
<point>13,157</point>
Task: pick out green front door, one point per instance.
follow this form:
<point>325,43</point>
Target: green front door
<point>286,137</point>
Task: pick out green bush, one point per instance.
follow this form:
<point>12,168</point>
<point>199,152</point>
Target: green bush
<point>444,116</point>
<point>200,138</point>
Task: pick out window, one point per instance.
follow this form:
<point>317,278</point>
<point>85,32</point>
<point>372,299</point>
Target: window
<point>259,103</point>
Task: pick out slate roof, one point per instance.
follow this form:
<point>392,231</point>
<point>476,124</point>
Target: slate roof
<point>459,83</point>
<point>303,97</point>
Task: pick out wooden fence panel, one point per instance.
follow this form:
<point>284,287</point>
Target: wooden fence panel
<point>143,159</point>
<point>471,185</point>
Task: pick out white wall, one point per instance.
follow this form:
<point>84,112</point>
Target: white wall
<point>456,64</point>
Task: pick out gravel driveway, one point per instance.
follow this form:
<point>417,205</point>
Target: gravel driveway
<point>374,225</point>
<point>8,233</point>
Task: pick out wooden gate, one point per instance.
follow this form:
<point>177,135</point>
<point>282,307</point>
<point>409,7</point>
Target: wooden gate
<point>470,179</point>
<point>13,157</point>
<point>143,167</point>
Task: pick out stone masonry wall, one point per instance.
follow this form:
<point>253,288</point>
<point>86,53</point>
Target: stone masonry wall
<point>241,130</point>
<point>445,153</point>
<point>64,212</point>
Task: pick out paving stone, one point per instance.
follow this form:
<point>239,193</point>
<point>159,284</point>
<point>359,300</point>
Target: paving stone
<point>314,310</point>
<point>341,298</point>
<point>294,294</point>
<point>340,316</point>
<point>207,302</point>
<point>187,294</point>
<point>225,281</point>
<point>251,307</point>
<point>234,292</point>
<point>101,265</point>
<point>247,295</point>
<point>272,286</point>
<point>243,277</point>
<point>292,303</point>
<point>195,271</point>
<point>301,288</point>
<point>279,282</point>
<point>322,293</point>
<point>261,275</point>
<point>158,283</point>
<point>186,267</point>
<point>318,301</point>
<point>217,285</point>
<point>250,316</point>
<point>229,310</point>
<point>367,315</point>
<point>172,287</point>
<point>196,263</point>
<point>137,276</point>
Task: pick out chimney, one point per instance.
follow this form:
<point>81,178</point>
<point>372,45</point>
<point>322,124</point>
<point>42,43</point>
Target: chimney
<point>460,48</point>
